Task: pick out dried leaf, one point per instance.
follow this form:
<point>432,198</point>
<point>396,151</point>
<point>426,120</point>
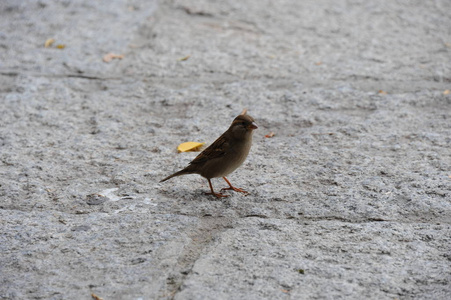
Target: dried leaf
<point>49,43</point>
<point>446,92</point>
<point>60,46</point>
<point>184,58</point>
<point>110,56</point>
<point>381,92</point>
<point>96,297</point>
<point>189,146</point>
<point>270,135</point>
<point>318,63</point>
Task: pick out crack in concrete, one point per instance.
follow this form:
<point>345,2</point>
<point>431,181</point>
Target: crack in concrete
<point>201,237</point>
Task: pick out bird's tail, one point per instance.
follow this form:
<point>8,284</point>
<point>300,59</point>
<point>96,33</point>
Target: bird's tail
<point>179,173</point>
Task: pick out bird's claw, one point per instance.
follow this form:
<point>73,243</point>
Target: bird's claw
<point>235,189</point>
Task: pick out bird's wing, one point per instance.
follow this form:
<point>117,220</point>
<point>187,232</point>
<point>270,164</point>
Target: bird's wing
<point>218,149</point>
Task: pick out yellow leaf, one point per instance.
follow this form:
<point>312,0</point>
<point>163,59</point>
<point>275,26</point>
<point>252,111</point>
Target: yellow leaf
<point>60,46</point>
<point>49,43</point>
<point>189,146</point>
<point>446,92</point>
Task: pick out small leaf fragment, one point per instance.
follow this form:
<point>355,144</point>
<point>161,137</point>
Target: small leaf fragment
<point>94,296</point>
<point>49,43</point>
<point>446,92</point>
<point>381,92</point>
<point>184,58</point>
<point>301,271</point>
<point>270,135</point>
<point>189,146</point>
<point>110,56</point>
<point>60,46</point>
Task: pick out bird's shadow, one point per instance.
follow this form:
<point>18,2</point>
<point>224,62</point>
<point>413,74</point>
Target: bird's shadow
<point>190,194</point>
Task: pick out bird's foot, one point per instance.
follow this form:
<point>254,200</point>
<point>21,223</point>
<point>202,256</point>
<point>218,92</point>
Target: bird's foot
<point>235,189</point>
<point>217,195</point>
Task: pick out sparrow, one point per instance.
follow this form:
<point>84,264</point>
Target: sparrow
<point>225,155</point>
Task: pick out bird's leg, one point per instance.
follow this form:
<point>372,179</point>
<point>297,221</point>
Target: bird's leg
<point>233,188</point>
<point>217,195</point>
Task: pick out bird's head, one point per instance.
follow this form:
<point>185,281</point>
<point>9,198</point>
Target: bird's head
<point>243,125</point>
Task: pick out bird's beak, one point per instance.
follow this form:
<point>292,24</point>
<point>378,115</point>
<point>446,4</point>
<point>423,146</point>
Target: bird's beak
<point>252,126</point>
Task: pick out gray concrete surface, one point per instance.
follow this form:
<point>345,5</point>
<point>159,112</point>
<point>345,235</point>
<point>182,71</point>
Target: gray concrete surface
<point>351,199</point>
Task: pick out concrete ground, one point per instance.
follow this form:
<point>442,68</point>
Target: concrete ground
<point>351,199</point>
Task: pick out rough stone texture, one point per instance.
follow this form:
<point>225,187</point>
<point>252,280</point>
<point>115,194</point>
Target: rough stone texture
<point>351,199</point>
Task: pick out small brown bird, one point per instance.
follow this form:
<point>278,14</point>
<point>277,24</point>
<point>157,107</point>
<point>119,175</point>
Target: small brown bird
<point>225,155</point>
